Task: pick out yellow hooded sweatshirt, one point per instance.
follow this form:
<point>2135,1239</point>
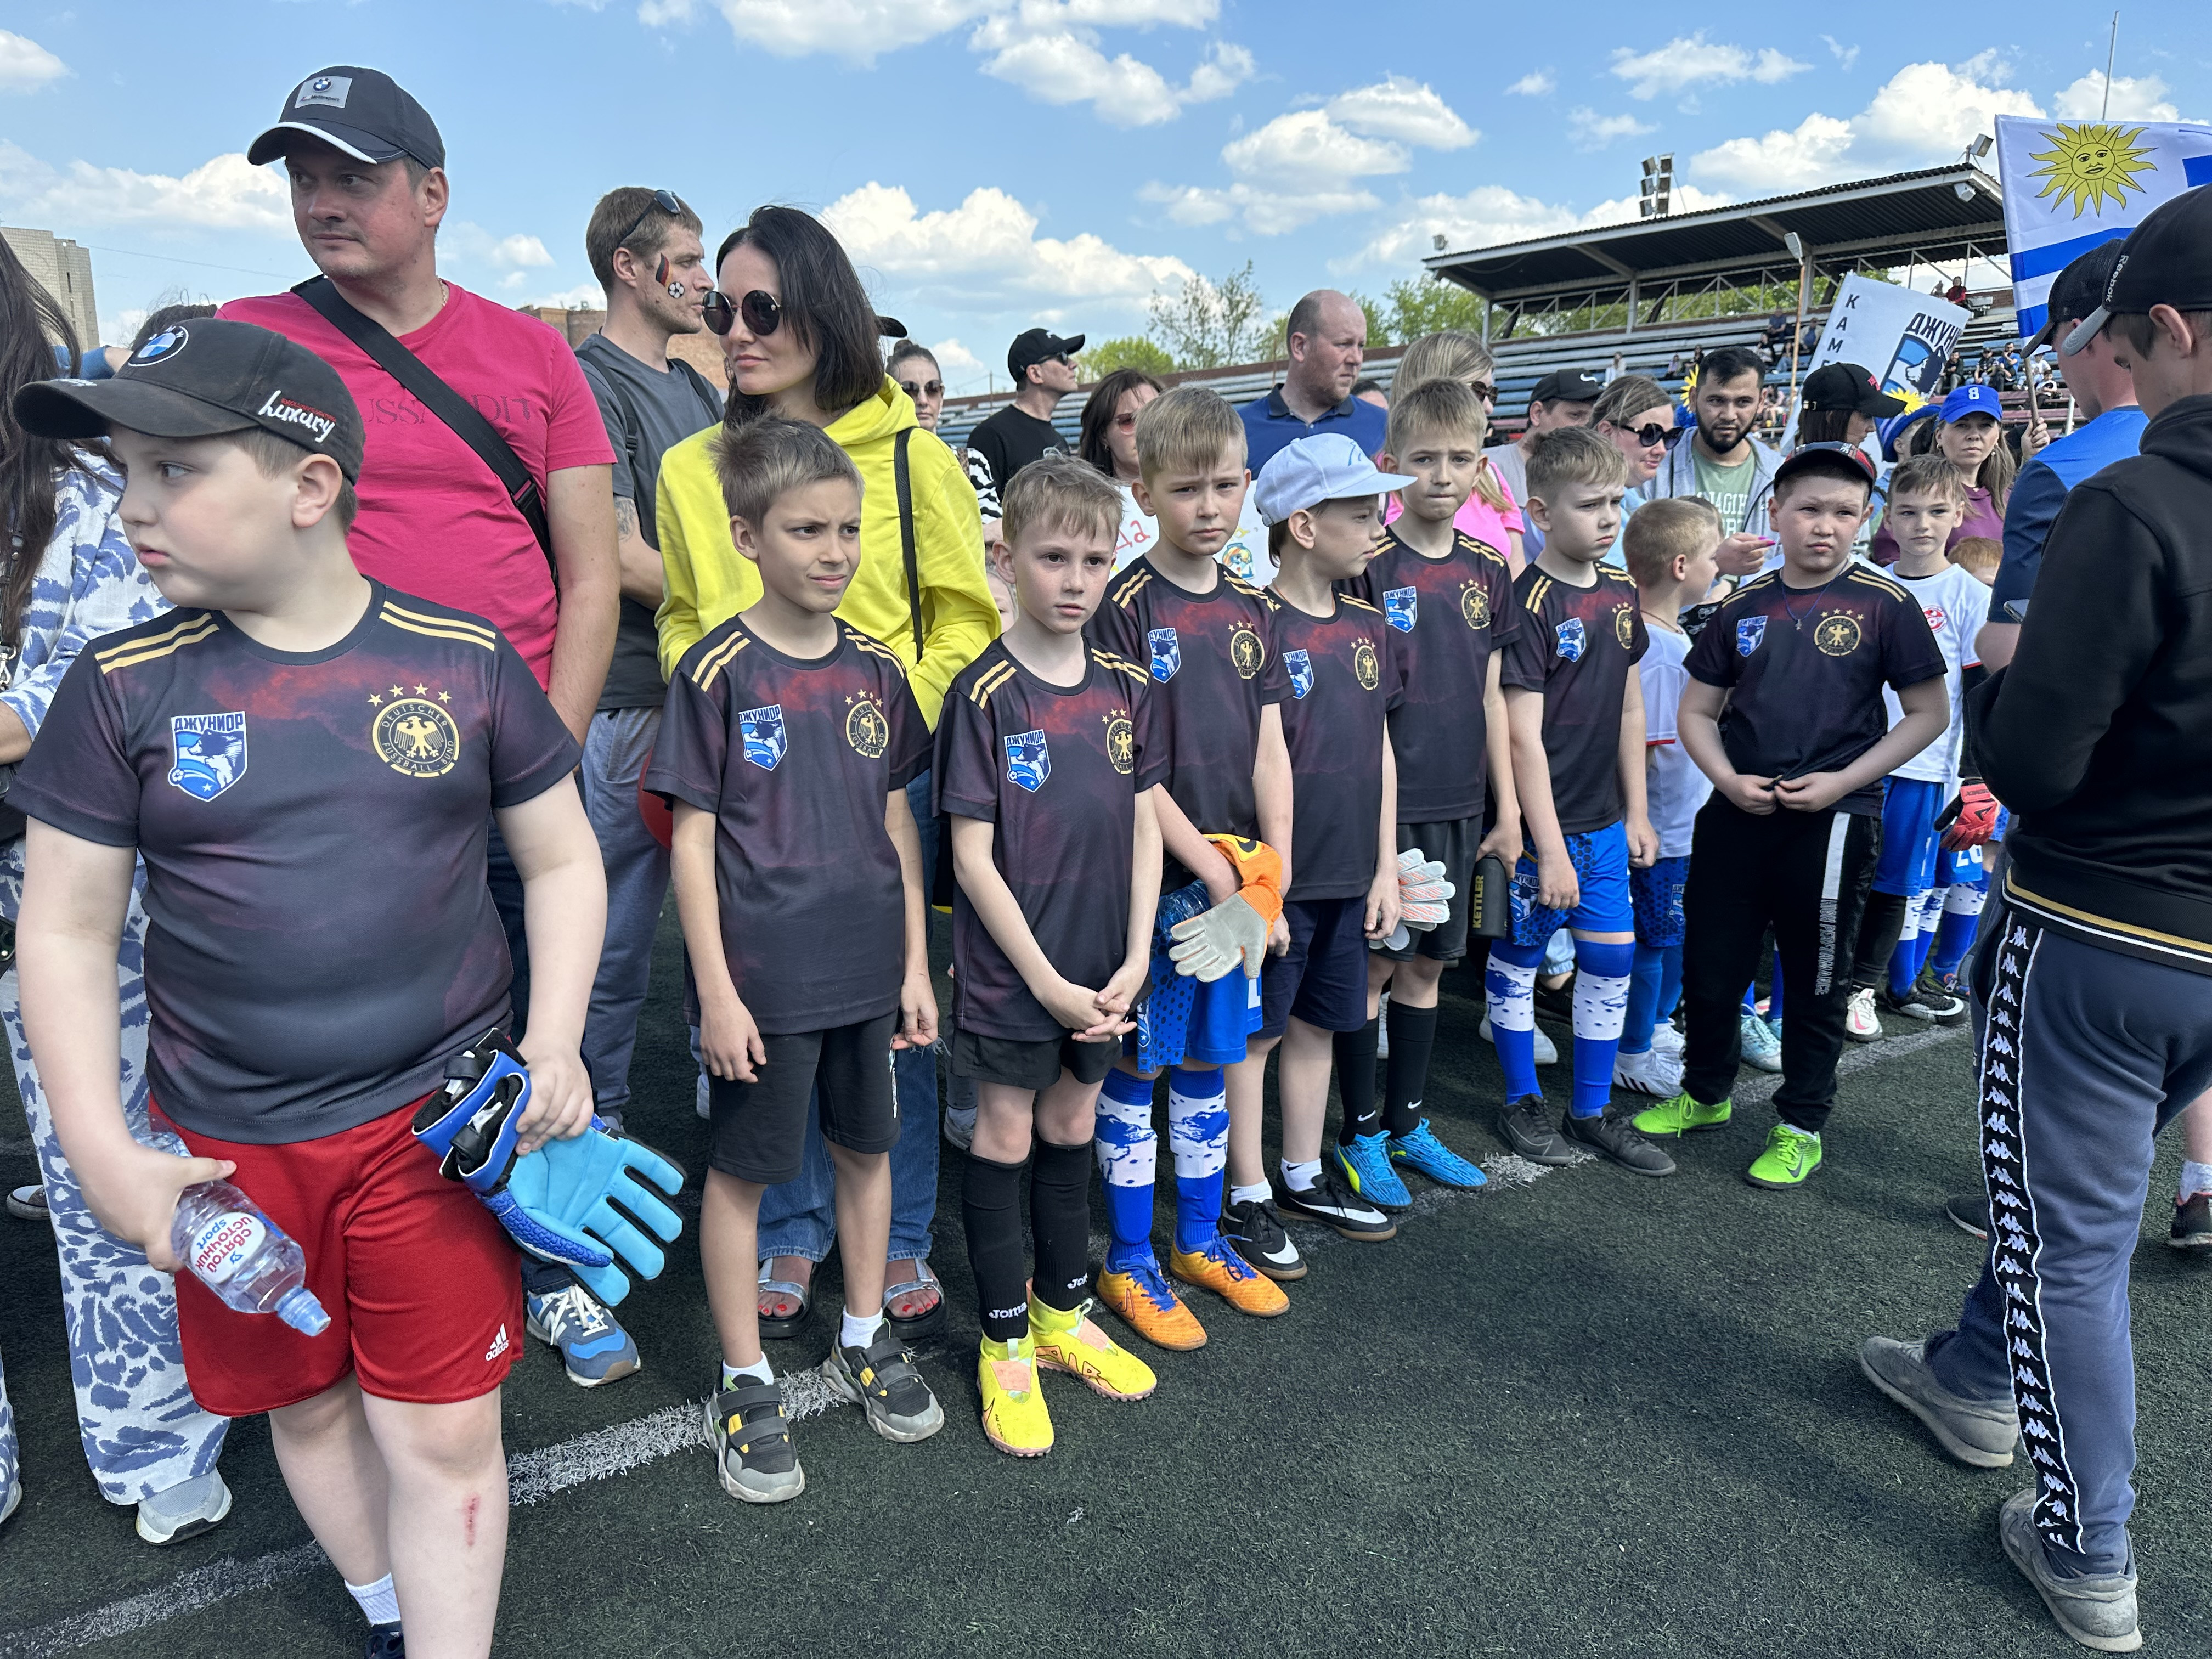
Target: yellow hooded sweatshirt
<point>709,582</point>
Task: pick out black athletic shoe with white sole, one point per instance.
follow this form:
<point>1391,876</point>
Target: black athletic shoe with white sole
<point>1256,1233</point>
<point>1617,1138</point>
<point>1927,1001</point>
<point>2193,1223</point>
<point>1526,1125</point>
<point>1334,1205</point>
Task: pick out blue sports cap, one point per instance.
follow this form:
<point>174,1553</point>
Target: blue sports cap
<point>1975,399</point>
<point>1892,432</point>
<point>1326,467</point>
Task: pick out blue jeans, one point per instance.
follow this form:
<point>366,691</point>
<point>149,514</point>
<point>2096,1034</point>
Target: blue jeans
<point>637,886</point>
<point>799,1218</point>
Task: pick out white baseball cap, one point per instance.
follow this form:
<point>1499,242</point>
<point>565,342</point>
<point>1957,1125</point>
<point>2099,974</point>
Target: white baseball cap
<point>1326,467</point>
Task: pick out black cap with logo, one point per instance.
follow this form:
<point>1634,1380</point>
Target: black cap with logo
<point>363,111</point>
<point>1035,345</point>
<point>2078,290</point>
<point>2166,261</point>
<point>1837,460</point>
<point>1849,386</point>
<point>1568,386</point>
<point>203,378</point>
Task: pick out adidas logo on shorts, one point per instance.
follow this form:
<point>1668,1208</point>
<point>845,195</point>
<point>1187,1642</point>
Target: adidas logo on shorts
<point>498,1345</point>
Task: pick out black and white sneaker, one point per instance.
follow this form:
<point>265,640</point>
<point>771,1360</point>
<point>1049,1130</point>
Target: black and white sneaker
<point>387,1642</point>
<point>2193,1223</point>
<point>1256,1233</point>
<point>1334,1205</point>
<point>1969,1213</point>
<point>881,1379</point>
<point>1616,1138</point>
<point>1528,1128</point>
<point>1927,1001</point>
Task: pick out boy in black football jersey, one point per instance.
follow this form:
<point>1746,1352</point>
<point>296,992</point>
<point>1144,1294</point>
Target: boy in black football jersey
<point>1323,500</point>
<point>1792,833</point>
<point>308,764</point>
<point>787,744</point>
<point>1576,705</point>
<point>1449,600</point>
<point>1046,769</point>
<point>1206,639</point>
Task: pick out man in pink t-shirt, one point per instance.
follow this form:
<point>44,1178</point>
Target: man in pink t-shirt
<point>368,190</point>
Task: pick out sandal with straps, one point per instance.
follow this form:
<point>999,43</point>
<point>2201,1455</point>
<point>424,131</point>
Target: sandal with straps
<point>751,1439</point>
<point>774,1328</point>
<point>931,1320</point>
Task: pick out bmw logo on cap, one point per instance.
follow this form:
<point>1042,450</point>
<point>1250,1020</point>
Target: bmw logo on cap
<point>321,83</point>
<point>163,346</point>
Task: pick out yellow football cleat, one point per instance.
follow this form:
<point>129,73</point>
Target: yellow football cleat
<point>1218,1268</point>
<point>1015,1419</point>
<point>1068,1341</point>
<point>1151,1308</point>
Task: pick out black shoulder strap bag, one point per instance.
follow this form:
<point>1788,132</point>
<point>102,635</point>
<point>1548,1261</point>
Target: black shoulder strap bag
<point>441,400</point>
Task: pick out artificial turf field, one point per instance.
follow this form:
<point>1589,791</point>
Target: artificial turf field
<point>1594,1414</point>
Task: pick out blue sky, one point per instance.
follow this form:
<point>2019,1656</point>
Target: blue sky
<point>995,163</point>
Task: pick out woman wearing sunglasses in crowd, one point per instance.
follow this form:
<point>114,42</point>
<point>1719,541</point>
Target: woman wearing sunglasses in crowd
<point>1108,440</point>
<point>1490,513</point>
<point>801,341</point>
<point>1636,413</point>
<point>914,367</point>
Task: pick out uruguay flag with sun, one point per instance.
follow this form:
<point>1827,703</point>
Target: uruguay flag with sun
<point>2071,185</point>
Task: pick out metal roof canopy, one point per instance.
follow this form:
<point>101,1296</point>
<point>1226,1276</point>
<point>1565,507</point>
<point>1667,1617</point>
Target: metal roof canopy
<point>1897,220</point>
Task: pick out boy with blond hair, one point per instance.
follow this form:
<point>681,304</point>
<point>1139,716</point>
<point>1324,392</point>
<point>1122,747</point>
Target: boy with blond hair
<point>1205,638</point>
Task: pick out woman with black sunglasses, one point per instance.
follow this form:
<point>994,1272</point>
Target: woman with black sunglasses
<point>801,341</point>
<point>1636,413</point>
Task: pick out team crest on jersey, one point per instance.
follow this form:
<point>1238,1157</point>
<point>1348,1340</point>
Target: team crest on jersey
<point>1401,608</point>
<point>1121,743</point>
<point>1167,654</point>
<point>1246,653</point>
<point>1029,760</point>
<point>414,737</point>
<point>1749,631</point>
<point>1474,604</point>
<point>866,729</point>
<point>1301,675</point>
<point>1572,639</point>
<point>1364,668</point>
<point>1935,618</point>
<point>1623,626</point>
<point>762,731</point>
<point>207,753</point>
<point>1837,634</point>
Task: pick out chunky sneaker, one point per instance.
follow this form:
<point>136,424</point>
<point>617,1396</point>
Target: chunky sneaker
<point>751,1439</point>
<point>1214,1266</point>
<point>1616,1138</point>
<point>2193,1223</point>
<point>1015,1419</point>
<point>1366,1165</point>
<point>1926,1001</point>
<point>1420,1151</point>
<point>1526,1124</point>
<point>1547,1054</point>
<point>1067,1339</point>
<point>1789,1161</point>
<point>1667,1039</point>
<point>594,1349</point>
<point>882,1381</point>
<point>387,1642</point>
<point>29,1203</point>
<point>1151,1308</point>
<point>2097,1610</point>
<point>1860,1022</point>
<point>1647,1074</point>
<point>1682,1114</point>
<point>1256,1233</point>
<point>1760,1048</point>
<point>183,1510</point>
<point>1334,1205</point>
<point>1977,1432</point>
<point>1969,1213</point>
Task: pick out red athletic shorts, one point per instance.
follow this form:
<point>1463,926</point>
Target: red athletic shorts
<point>420,1282</point>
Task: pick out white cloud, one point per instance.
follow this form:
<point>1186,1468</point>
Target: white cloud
<point>1535,83</point>
<point>1266,212</point>
<point>955,359</point>
<point>856,29</point>
<point>2134,99</point>
<point>222,194</point>
<point>1690,61</point>
<point>986,251</point>
<point>1305,144</point>
<point>520,250</point>
<point>1689,198</point>
<point>1486,214</point>
<point>1408,111</point>
<point>25,65</point>
<point>584,296</point>
<point>1925,114</point>
<point>1844,56</point>
<point>1065,65</point>
<point>1591,131</point>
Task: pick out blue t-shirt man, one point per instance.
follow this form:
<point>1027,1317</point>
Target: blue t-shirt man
<point>2040,491</point>
<point>1270,425</point>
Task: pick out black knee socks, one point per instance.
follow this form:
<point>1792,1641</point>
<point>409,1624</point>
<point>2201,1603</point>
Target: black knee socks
<point>1354,1053</point>
<point>1405,1074</point>
<point>990,1204</point>
<point>1059,1214</point>
<point>1879,929</point>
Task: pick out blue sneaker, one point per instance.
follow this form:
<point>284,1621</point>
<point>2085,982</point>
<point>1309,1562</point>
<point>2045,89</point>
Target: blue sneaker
<point>1423,1152</point>
<point>1367,1171</point>
<point>594,1349</point>
<point>1761,1048</point>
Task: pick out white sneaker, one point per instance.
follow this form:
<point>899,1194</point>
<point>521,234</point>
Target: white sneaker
<point>1545,1053</point>
<point>1383,1028</point>
<point>1667,1040</point>
<point>1647,1074</point>
<point>184,1510</point>
<point>1861,1023</point>
<point>1760,1048</point>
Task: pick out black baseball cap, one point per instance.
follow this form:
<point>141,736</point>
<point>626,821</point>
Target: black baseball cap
<point>363,111</point>
<point>2166,261</point>
<point>1837,460</point>
<point>1850,386</point>
<point>201,377</point>
<point>1568,386</point>
<point>1034,346</point>
<point>2078,290</point>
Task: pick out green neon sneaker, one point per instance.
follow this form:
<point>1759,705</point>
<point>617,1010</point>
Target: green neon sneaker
<point>1682,1114</point>
<point>1789,1161</point>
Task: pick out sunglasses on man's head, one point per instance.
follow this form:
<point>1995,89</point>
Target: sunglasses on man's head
<point>916,389</point>
<point>663,201</point>
<point>762,311</point>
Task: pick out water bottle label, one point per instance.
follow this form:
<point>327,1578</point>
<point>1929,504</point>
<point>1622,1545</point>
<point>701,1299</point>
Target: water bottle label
<point>222,1245</point>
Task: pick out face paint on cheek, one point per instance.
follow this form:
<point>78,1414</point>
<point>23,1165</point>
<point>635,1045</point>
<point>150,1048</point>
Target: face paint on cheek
<point>676,290</point>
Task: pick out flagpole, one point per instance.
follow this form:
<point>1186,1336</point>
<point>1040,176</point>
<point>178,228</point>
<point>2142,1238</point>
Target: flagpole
<point>2112,51</point>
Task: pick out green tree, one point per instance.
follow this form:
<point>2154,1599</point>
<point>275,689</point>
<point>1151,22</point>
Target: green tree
<point>1205,324</point>
<point>1414,305</point>
<point>1129,351</point>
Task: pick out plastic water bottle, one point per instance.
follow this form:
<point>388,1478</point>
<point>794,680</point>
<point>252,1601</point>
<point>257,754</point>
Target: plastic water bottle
<point>243,1256</point>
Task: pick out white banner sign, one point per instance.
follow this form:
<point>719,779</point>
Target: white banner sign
<point>1902,338</point>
